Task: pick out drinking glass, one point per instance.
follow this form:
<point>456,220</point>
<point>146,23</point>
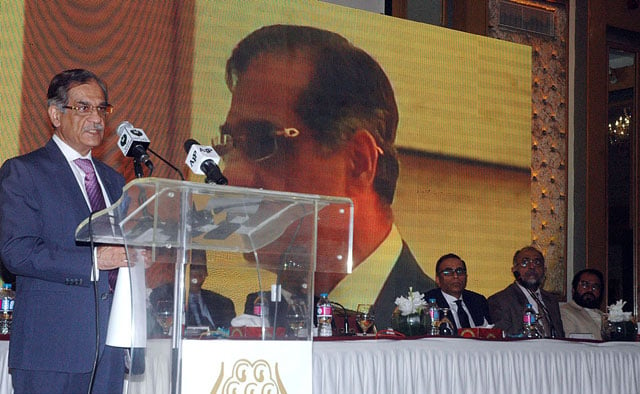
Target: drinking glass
<point>445,326</point>
<point>365,317</point>
<point>296,318</point>
<point>164,315</point>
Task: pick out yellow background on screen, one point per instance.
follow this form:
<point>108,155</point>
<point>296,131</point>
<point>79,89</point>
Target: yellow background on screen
<point>11,20</point>
<point>463,99</point>
<point>459,95</point>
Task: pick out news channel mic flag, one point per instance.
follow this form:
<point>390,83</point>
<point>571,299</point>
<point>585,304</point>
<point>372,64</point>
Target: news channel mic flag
<point>134,143</point>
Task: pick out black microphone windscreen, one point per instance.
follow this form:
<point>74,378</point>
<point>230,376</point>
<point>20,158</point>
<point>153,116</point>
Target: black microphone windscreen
<point>189,143</point>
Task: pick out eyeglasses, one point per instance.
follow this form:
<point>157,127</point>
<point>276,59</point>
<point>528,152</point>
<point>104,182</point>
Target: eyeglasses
<point>86,109</point>
<point>450,271</point>
<point>258,140</point>
<point>588,285</point>
<point>526,262</point>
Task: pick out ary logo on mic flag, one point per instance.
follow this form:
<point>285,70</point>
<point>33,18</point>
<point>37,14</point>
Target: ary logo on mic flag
<point>124,141</point>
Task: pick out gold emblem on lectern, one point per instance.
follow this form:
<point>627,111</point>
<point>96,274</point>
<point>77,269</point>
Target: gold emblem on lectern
<point>250,377</point>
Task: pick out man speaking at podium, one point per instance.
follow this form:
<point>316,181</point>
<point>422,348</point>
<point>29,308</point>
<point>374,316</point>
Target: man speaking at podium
<point>311,113</point>
<point>44,195</point>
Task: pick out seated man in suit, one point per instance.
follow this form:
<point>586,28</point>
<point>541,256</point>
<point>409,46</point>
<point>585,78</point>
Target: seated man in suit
<point>582,315</point>
<point>468,309</point>
<point>507,306</point>
<point>205,308</point>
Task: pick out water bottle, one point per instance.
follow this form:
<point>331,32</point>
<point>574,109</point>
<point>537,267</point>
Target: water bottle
<point>261,308</point>
<point>7,297</point>
<point>324,314</point>
<point>529,325</point>
<point>433,317</point>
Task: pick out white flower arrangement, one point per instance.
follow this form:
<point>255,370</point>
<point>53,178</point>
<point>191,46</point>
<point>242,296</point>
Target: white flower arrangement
<point>616,314</point>
<point>413,304</point>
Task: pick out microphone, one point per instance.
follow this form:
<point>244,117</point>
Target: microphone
<point>345,325</point>
<point>545,312</point>
<point>134,142</point>
<point>203,160</point>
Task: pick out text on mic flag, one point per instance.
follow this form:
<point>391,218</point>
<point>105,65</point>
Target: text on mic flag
<point>197,155</point>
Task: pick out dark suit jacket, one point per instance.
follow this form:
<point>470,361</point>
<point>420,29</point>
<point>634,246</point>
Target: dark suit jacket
<point>476,303</point>
<point>220,308</point>
<point>41,204</point>
<point>507,306</point>
<point>405,273</point>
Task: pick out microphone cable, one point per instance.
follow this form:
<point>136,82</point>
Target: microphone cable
<point>545,312</point>
<point>345,325</point>
<point>165,161</point>
<point>541,305</point>
<point>138,171</point>
<point>96,305</point>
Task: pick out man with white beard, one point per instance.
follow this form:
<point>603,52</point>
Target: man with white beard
<point>507,306</point>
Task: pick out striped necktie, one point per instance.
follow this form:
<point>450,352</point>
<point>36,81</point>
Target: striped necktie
<point>91,185</point>
<point>547,325</point>
<point>96,200</point>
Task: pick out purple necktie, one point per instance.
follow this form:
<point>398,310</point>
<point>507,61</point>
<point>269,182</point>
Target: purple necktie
<point>96,200</point>
<point>91,185</point>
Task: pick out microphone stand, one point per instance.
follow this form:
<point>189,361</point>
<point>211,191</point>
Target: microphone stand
<point>136,356</point>
<point>218,179</point>
<point>347,331</point>
<point>137,168</point>
<point>165,161</point>
<point>545,311</point>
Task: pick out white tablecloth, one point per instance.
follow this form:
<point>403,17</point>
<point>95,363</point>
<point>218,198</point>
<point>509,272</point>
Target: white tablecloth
<point>5,378</point>
<point>458,365</point>
<point>446,365</point>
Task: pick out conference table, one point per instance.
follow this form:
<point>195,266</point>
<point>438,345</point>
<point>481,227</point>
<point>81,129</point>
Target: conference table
<point>444,365</point>
<point>463,365</point>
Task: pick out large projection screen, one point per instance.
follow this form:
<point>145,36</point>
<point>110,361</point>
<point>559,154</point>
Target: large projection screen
<point>464,132</point>
<point>464,100</point>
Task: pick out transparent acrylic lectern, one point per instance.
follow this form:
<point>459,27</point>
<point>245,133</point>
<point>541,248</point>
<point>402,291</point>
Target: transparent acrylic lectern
<point>231,263</point>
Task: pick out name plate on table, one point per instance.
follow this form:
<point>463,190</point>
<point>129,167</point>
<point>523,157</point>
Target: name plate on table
<point>241,366</point>
<point>255,332</point>
<point>480,332</point>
